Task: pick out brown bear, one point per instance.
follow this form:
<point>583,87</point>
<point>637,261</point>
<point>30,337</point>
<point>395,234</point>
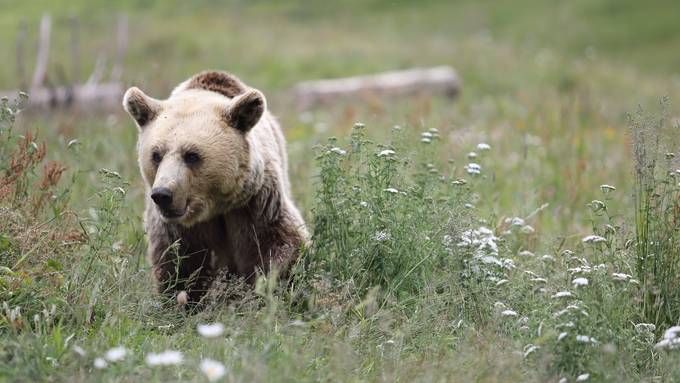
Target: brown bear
<point>218,196</point>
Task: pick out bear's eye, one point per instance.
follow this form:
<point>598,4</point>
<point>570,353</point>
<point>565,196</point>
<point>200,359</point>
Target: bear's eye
<point>191,158</point>
<point>156,157</point>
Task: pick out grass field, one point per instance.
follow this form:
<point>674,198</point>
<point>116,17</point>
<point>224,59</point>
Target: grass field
<point>532,270</point>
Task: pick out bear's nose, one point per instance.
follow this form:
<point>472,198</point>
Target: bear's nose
<point>162,197</point>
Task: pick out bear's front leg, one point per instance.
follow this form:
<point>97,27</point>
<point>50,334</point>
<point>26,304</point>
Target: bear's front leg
<point>176,266</point>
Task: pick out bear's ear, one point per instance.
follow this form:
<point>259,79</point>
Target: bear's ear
<point>246,110</point>
<point>141,107</point>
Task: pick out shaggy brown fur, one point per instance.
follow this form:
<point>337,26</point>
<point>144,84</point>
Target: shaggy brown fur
<point>231,207</point>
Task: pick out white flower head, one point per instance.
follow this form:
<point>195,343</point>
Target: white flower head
<point>621,276</point>
<point>483,146</point>
<point>527,229</point>
<point>671,332</point>
<point>165,358</point>
<point>562,294</point>
<point>585,339</point>
<point>582,377</point>
<point>562,336</point>
<point>508,313</point>
<point>100,363</point>
<point>210,330</point>
<point>79,350</point>
<point>594,239</point>
<point>580,282</point>
<point>338,151</point>
<point>391,190</point>
<point>386,153</point>
<point>472,155</point>
<point>607,188</point>
<point>382,236</point>
<point>116,354</point>
<point>473,168</point>
<point>213,369</point>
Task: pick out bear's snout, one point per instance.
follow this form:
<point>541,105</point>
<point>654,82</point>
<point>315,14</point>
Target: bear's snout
<point>162,197</point>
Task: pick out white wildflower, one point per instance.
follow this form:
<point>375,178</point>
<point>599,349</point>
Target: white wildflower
<point>585,339</point>
<point>212,369</point>
<point>116,354</point>
<point>469,206</point>
<point>79,350</point>
<point>508,313</point>
<point>562,336</point>
<point>381,236</point>
<point>391,190</point>
<point>100,363</point>
<point>386,153</point>
<point>426,135</point>
<point>515,221</point>
<point>499,305</point>
<point>548,258</point>
<point>594,239</point>
<point>459,182</point>
<point>670,344</point>
<point>582,377</point>
<point>363,204</point>
<point>525,253</point>
<point>527,229</point>
<point>211,330</point>
<point>338,151</point>
<point>671,332</point>
<point>538,280</point>
<point>502,282</point>
<point>165,358</point>
<point>473,168</point>
<point>483,146</point>
<point>425,140</point>
<point>562,380</point>
<point>634,281</point>
<point>607,188</point>
<point>645,327</point>
<point>580,282</point>
<point>562,294</point>
<point>621,276</point>
<point>472,155</point>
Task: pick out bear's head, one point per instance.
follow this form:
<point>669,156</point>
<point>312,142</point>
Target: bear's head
<point>194,152</point>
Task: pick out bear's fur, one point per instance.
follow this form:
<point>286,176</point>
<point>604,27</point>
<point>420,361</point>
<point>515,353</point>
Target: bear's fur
<point>217,191</point>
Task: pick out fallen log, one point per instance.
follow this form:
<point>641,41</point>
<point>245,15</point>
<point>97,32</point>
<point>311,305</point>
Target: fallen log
<point>437,80</point>
<point>86,96</point>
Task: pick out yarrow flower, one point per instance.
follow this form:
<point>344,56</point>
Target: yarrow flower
<point>562,294</point>
<point>579,282</point>
<point>381,236</point>
<point>483,146</point>
<point>338,151</point>
<point>211,330</point>
<point>116,354</point>
<point>212,369</point>
<point>100,363</point>
<point>585,339</point>
<point>607,188</point>
<point>508,313</point>
<point>165,358</point>
<point>582,377</point>
<point>472,155</point>
<point>594,239</point>
<point>621,276</point>
<point>391,190</point>
<point>473,168</point>
<point>386,153</point>
<point>562,336</point>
